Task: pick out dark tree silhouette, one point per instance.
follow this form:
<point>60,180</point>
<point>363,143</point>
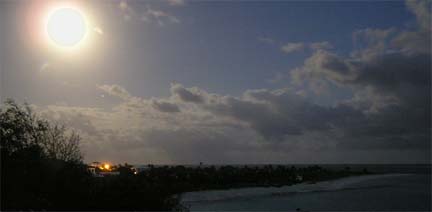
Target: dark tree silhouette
<point>42,169</point>
<point>57,143</point>
<point>41,163</point>
<point>22,129</point>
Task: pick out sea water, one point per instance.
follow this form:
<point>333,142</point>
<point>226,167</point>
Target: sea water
<point>396,188</point>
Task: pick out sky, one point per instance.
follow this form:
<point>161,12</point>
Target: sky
<point>183,82</point>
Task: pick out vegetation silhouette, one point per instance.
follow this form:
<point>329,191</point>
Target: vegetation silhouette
<point>42,169</point>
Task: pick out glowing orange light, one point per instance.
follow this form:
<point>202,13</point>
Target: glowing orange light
<point>106,166</point>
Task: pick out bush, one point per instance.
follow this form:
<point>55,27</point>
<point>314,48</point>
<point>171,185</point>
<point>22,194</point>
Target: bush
<point>41,163</point>
<point>42,169</point>
<point>21,130</point>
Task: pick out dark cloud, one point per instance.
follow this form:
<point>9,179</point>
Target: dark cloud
<point>390,70</point>
<point>274,114</point>
<point>260,116</point>
<point>386,73</point>
<point>163,106</point>
<point>186,95</point>
<point>282,115</point>
<point>259,125</point>
<point>387,117</point>
<point>390,77</point>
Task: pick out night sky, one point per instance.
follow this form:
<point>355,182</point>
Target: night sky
<point>183,82</point>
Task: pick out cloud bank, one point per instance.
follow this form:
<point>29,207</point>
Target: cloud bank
<point>386,119</point>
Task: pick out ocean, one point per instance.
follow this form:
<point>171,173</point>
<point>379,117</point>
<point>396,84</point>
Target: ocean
<point>390,188</point>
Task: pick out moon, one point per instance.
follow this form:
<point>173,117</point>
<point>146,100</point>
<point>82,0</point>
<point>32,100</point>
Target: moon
<point>66,26</point>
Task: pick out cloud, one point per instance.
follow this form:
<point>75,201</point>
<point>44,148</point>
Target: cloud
<point>387,118</point>
<point>124,6</point>
<point>98,30</point>
<point>135,133</point>
<point>278,77</point>
<point>320,45</point>
<point>418,40</point>
<point>146,14</point>
<point>126,10</point>
<point>300,46</point>
<point>421,10</point>
<point>163,106</point>
<point>176,2</point>
<point>389,75</point>
<point>157,16</point>
<point>273,114</point>
<point>388,78</point>
<point>186,95</point>
<point>260,125</point>
<point>324,64</point>
<point>391,62</point>
<point>115,90</point>
<point>266,40</point>
<point>370,41</point>
<point>46,67</point>
<point>283,116</point>
<point>387,72</point>
<point>292,47</point>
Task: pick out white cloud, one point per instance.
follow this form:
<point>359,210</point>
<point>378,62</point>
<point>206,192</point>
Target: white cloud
<point>292,47</point>
<point>98,30</point>
<point>147,14</point>
<point>46,67</point>
<point>422,10</point>
<point>115,90</point>
<point>158,16</point>
<point>320,45</point>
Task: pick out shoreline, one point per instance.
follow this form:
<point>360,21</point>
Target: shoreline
<point>269,190</point>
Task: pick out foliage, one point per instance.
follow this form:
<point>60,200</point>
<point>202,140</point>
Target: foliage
<point>21,129</point>
<point>41,163</point>
<point>42,169</point>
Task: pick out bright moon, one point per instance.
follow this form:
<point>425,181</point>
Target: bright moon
<point>66,27</point>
